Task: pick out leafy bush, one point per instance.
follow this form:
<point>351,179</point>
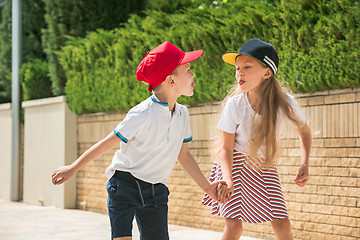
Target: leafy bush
<point>321,53</point>
<point>317,43</point>
<point>67,17</point>
<point>76,18</point>
<point>35,80</point>
<point>5,53</point>
<point>32,22</point>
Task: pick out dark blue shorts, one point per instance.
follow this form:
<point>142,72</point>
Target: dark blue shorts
<point>128,197</point>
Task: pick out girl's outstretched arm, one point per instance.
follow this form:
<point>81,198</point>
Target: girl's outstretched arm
<point>226,161</point>
<point>64,173</point>
<point>305,147</point>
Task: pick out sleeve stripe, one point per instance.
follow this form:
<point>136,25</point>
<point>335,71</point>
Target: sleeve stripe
<point>122,138</point>
<point>187,139</point>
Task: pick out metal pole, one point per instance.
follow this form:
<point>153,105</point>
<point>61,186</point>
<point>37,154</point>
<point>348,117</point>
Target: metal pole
<point>15,99</point>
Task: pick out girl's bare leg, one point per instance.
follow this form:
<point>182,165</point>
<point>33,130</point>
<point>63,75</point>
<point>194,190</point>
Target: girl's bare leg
<point>233,229</point>
<point>282,229</point>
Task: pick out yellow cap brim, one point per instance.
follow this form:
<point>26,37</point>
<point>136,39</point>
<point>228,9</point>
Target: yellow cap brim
<point>230,57</point>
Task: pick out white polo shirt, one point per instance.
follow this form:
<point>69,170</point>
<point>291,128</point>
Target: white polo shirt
<point>151,139</point>
<point>237,118</point>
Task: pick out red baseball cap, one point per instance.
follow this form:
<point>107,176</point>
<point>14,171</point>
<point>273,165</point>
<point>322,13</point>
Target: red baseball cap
<point>161,62</point>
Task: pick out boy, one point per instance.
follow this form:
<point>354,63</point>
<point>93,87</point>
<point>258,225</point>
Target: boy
<point>152,136</point>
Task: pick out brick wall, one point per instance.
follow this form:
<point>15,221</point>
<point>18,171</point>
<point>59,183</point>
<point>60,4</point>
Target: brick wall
<point>91,180</point>
<point>327,208</point>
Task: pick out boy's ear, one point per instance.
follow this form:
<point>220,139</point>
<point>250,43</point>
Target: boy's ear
<point>170,80</point>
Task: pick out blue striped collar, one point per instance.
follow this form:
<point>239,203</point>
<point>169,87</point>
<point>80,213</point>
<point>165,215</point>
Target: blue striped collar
<point>156,100</point>
<point>165,105</point>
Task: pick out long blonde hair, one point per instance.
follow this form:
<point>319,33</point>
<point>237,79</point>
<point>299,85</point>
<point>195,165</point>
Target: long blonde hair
<point>272,100</point>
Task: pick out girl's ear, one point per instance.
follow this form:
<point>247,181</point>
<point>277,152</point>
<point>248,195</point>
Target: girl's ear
<point>268,73</point>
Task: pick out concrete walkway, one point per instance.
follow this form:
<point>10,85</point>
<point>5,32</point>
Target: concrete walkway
<point>20,221</point>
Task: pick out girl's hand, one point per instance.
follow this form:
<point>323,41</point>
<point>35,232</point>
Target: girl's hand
<point>303,176</point>
<point>62,174</point>
<point>225,191</point>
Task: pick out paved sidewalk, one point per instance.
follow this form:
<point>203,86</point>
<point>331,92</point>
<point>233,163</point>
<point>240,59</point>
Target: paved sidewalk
<point>20,221</point>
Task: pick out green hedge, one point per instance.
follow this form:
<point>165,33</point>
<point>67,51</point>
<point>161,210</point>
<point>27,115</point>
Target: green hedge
<point>32,22</point>
<point>67,17</point>
<point>75,18</point>
<point>35,80</point>
<point>5,53</point>
<point>317,43</point>
<point>322,53</point>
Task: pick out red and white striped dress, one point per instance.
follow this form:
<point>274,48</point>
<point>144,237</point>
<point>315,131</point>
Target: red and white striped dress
<point>257,194</point>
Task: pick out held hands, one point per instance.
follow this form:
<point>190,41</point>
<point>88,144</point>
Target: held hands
<point>211,190</point>
<point>62,174</point>
<point>216,191</point>
<point>225,191</point>
<point>303,176</point>
<point>220,191</point>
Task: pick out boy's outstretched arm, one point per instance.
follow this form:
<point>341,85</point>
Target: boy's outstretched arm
<point>188,162</point>
<point>64,173</point>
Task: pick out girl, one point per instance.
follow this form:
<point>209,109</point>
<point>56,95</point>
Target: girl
<point>251,122</point>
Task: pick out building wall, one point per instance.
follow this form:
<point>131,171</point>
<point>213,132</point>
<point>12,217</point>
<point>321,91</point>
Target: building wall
<point>6,154</point>
<point>5,150</point>
<point>327,208</point>
<point>49,142</point>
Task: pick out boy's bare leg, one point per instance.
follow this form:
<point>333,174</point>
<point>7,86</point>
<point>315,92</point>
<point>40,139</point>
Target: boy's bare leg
<point>123,238</point>
<point>233,229</point>
<point>282,229</point>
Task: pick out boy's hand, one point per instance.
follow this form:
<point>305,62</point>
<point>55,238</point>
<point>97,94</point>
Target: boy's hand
<point>62,174</point>
<point>303,176</point>
<point>225,191</point>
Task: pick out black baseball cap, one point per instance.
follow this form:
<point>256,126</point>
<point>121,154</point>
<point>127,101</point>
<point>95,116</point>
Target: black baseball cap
<point>255,48</point>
